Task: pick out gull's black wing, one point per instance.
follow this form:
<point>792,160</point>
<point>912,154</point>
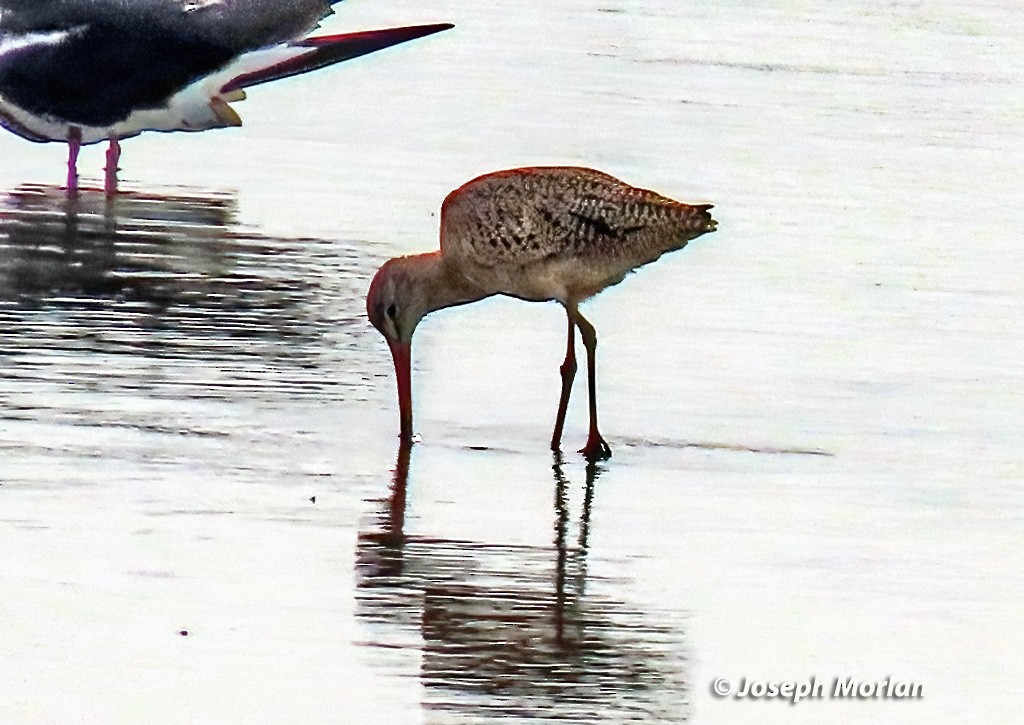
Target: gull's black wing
<point>93,62</point>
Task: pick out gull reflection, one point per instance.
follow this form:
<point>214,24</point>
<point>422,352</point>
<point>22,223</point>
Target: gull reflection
<point>174,279</point>
<point>140,247</point>
<point>511,632</point>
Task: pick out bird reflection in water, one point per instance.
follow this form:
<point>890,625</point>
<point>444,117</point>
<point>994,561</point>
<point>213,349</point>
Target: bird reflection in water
<point>504,637</point>
<point>140,247</point>
<point>174,277</point>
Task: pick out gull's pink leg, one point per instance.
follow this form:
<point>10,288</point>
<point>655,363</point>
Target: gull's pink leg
<point>74,144</point>
<point>113,156</point>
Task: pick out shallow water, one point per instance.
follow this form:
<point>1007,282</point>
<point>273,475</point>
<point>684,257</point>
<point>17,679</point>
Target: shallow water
<point>814,412</point>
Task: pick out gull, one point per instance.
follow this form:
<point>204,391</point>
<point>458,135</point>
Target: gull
<point>86,71</point>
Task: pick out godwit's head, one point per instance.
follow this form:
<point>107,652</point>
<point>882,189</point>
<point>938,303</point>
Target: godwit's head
<point>399,297</point>
<point>403,291</point>
<point>397,301</point>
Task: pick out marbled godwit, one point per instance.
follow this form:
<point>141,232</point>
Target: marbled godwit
<point>85,71</point>
<point>539,234</point>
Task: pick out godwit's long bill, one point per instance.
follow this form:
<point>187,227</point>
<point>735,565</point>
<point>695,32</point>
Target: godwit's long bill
<point>85,71</point>
<point>539,234</point>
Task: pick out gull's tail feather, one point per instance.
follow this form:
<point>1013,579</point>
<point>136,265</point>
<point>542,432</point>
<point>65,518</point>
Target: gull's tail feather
<point>329,49</point>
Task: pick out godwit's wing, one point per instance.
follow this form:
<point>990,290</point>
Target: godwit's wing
<point>522,217</point>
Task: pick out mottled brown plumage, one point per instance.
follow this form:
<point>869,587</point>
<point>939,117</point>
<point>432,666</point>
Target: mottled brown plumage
<point>560,233</point>
<point>537,233</point>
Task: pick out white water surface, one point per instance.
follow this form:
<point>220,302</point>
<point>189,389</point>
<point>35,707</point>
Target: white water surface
<point>815,412</point>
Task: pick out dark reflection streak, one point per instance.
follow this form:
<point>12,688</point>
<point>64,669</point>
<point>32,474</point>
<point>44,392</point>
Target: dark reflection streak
<point>392,535</point>
<point>384,550</point>
<point>150,248</point>
<point>71,223</point>
<point>561,524</point>
<point>498,635</point>
<point>593,470</point>
<point>193,302</point>
<point>399,484</point>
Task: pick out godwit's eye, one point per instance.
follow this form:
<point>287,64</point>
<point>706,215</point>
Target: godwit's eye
<point>392,311</point>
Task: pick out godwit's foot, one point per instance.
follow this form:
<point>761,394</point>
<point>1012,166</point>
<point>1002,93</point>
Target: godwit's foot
<point>596,449</point>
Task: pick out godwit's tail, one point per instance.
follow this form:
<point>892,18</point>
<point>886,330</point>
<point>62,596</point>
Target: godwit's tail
<point>701,218</point>
<point>690,221</point>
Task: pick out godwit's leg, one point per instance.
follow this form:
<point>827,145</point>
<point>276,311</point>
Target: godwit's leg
<point>596,449</point>
<point>110,177</point>
<point>568,371</point>
<point>74,145</point>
